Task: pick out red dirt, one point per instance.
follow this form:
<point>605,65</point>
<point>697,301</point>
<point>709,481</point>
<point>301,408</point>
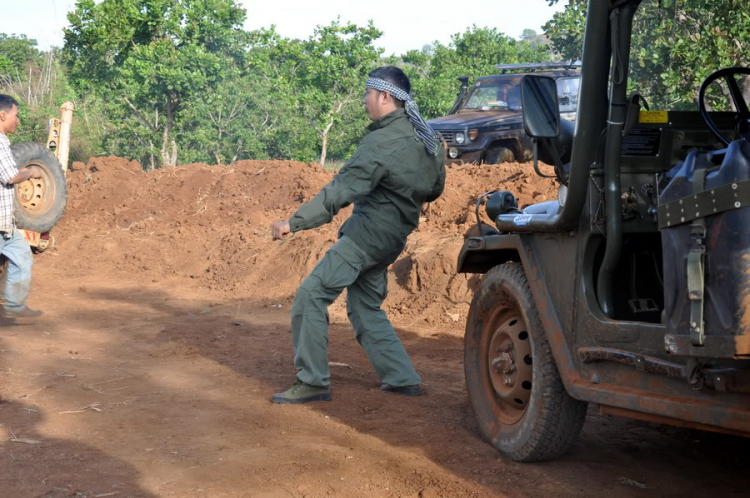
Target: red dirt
<point>166,331</point>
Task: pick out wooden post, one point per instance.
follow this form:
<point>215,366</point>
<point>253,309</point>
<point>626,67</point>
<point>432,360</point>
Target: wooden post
<point>63,149</point>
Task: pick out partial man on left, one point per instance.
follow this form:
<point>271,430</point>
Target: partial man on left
<point>12,244</point>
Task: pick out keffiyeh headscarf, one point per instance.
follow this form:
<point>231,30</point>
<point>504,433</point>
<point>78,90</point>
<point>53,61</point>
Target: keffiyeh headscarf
<point>424,131</point>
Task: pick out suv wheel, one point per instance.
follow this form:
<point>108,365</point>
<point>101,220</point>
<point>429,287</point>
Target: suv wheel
<point>497,155</point>
<point>514,387</point>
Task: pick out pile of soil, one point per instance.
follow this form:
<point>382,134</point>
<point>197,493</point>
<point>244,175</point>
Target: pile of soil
<point>210,225</point>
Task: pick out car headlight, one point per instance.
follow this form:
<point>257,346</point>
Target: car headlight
<point>460,138</point>
<point>453,152</point>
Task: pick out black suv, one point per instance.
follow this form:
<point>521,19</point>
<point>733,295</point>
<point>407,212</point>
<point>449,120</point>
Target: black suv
<point>485,124</point>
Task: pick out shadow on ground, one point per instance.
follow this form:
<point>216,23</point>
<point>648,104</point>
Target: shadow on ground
<point>619,457</point>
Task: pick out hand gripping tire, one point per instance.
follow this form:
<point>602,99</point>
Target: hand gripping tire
<point>39,202</point>
<point>514,386</point>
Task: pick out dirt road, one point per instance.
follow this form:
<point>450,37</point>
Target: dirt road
<point>166,332</point>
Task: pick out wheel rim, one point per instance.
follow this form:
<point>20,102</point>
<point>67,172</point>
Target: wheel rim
<point>36,194</point>
<point>508,366</point>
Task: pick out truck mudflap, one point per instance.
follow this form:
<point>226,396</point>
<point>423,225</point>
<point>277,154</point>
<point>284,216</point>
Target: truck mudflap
<point>39,241</point>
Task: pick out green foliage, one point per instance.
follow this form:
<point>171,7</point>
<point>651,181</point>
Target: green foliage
<point>330,82</point>
<point>187,78</point>
<point>676,48</point>
<point>38,82</point>
<point>676,45</point>
<point>316,85</point>
<point>473,53</point>
<point>16,51</point>
<point>153,56</point>
<point>565,30</point>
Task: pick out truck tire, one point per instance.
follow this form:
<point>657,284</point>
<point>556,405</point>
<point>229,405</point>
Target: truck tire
<point>497,155</point>
<point>39,202</point>
<point>514,387</point>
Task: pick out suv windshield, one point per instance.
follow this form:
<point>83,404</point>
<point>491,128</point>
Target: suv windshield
<point>506,94</point>
<point>567,93</point>
<point>495,94</point>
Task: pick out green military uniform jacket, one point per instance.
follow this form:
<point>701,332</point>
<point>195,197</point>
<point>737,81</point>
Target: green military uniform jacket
<point>388,179</point>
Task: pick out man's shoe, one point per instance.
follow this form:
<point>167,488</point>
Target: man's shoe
<point>24,313</point>
<point>415,390</point>
<point>302,393</point>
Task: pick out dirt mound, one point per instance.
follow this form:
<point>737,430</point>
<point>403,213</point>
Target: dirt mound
<point>210,225</point>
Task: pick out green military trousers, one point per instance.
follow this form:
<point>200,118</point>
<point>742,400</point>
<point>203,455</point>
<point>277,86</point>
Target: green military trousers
<point>347,266</point>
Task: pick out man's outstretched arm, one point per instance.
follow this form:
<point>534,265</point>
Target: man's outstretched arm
<point>359,176</point>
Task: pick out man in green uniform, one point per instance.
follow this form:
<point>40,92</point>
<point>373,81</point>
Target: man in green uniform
<point>396,169</point>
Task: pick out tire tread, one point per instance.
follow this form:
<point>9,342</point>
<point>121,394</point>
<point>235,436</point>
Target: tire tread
<point>23,154</point>
<point>561,419</point>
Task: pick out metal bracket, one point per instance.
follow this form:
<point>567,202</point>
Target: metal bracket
<point>734,195</point>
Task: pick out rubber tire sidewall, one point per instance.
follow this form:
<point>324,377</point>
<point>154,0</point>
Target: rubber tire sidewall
<point>542,433</point>
<point>498,155</point>
<point>25,154</point>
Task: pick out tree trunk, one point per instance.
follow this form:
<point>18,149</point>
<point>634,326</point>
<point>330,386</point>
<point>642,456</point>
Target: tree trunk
<point>151,165</point>
<point>324,132</point>
<point>169,158</point>
<point>324,149</point>
<point>164,142</point>
<point>173,157</point>
<point>324,146</point>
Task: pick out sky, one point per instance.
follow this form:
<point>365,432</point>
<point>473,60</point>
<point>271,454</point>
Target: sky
<point>407,24</point>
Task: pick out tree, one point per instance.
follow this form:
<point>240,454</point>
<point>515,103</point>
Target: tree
<point>242,118</point>
<point>318,82</point>
<point>153,56</point>
<point>565,30</point>
<point>36,80</point>
<point>332,70</point>
<point>528,34</point>
<point>473,53</point>
<point>676,45</point>
<point>15,52</point>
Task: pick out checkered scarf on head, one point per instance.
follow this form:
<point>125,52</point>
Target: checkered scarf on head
<point>424,131</point>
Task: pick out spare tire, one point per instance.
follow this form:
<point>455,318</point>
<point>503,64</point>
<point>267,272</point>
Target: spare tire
<point>39,202</point>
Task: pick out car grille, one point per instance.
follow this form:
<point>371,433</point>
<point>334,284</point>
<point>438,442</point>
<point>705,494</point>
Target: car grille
<point>448,136</point>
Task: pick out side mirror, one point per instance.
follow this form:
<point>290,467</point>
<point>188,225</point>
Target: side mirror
<point>541,115</point>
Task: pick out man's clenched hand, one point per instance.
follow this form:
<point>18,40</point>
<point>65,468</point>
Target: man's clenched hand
<point>279,229</point>
<point>34,172</point>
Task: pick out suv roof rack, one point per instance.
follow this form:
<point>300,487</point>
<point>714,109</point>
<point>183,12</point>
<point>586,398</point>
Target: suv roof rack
<point>538,66</point>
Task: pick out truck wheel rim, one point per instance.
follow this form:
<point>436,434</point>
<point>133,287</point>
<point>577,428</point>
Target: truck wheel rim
<point>509,365</point>
<point>36,194</point>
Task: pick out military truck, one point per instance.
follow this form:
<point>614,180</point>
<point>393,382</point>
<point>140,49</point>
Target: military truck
<point>485,123</point>
<point>631,291</point>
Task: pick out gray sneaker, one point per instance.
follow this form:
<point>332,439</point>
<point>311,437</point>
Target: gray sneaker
<point>302,393</point>
<point>24,313</point>
<point>415,390</point>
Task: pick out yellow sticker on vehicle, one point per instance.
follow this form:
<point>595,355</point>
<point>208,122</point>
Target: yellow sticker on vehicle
<point>654,117</point>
